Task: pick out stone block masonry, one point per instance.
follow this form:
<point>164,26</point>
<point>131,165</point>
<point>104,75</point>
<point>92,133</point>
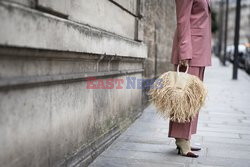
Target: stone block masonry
<point>48,50</point>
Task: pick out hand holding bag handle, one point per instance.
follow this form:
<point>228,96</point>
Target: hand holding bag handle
<point>178,69</point>
<point>181,79</point>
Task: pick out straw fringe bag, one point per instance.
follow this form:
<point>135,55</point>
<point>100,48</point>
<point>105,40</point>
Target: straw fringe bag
<point>180,97</point>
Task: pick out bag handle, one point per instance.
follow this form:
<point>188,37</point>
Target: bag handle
<point>178,69</point>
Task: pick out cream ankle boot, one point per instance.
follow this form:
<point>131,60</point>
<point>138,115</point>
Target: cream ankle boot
<point>183,145</point>
<point>184,148</point>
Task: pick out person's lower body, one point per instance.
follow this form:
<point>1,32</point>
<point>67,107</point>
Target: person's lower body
<point>182,131</point>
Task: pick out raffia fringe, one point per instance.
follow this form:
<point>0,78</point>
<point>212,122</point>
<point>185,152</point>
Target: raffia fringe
<point>178,105</point>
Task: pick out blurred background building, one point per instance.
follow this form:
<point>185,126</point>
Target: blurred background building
<point>244,22</point>
<point>219,7</point>
<point>49,48</point>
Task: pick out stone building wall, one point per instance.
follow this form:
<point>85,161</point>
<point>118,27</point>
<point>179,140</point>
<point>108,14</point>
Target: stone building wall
<point>50,51</point>
<point>159,23</point>
<point>159,26</point>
